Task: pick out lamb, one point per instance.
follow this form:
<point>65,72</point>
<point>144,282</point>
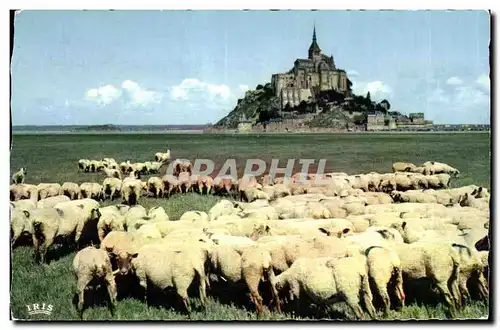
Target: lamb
<point>52,201</point>
<point>403,167</point>
<point>49,190</point>
<point>91,190</point>
<point>91,263</point>
<point>111,188</point>
<point>18,177</point>
<point>71,189</point>
<point>328,280</point>
<point>155,186</point>
<point>437,168</point>
<point>182,165</point>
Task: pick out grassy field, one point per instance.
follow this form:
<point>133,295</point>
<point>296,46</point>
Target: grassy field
<point>53,158</point>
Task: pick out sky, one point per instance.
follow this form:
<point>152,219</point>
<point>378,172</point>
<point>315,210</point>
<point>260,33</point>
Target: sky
<point>191,67</point>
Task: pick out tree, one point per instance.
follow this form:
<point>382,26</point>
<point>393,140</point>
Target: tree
<point>259,86</point>
<point>360,119</point>
<point>368,97</point>
<point>386,104</point>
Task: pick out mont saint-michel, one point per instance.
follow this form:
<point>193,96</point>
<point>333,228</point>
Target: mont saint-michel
<point>315,94</point>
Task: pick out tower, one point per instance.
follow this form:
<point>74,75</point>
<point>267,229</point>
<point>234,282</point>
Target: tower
<point>314,50</point>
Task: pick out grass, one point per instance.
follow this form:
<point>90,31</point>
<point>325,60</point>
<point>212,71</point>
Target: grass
<point>53,158</point>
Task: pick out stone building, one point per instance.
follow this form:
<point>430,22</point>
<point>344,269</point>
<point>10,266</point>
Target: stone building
<point>309,76</point>
<point>417,118</point>
<point>244,125</point>
<point>375,121</point>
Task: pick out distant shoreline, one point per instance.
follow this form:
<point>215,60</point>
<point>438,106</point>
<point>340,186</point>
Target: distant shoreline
<point>154,132</point>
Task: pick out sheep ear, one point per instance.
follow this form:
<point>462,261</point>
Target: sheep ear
<point>325,231</point>
<point>346,230</point>
<point>268,228</point>
<point>480,190</point>
<point>403,225</point>
<point>109,249</point>
<point>474,192</point>
<point>26,213</point>
<point>60,212</point>
<point>402,214</point>
<point>134,255</point>
<point>13,205</point>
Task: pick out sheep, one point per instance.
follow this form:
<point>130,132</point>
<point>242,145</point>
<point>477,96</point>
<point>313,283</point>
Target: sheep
<point>85,214</point>
<point>223,207</point>
<point>134,214</point>
<point>96,165</point>
<point>91,263</point>
<point>20,224</point>
<point>182,165</point>
<point>23,191</point>
<point>111,188</point>
<point>119,209</point>
<point>91,190</point>
<point>149,230</point>
<point>52,224</point>
<point>412,196</point>
<point>71,189</point>
<point>403,167</point>
<point>110,221</point>
<point>84,165</point>
<point>18,177</point>
<point>164,268</point>
<point>52,201</point>
<point>437,168</point>
<point>277,191</point>
<point>112,173</point>
<point>471,267</point>
<point>49,190</point>
<point>328,280</point>
<point>24,204</point>
<point>225,185</point>
<point>478,203</point>
<point>162,156</point>
<point>184,183</point>
<point>170,184</point>
<point>251,194</point>
<point>439,262</point>
<point>153,167</point>
<point>155,186</point>
<point>157,213</point>
<point>131,190</point>
<point>384,268</point>
<point>193,216</point>
<point>204,183</point>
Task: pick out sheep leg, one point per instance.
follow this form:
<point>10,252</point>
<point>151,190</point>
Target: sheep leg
<point>367,296</point>
<point>111,286</point>
<point>252,279</point>
<point>353,303</point>
<point>43,249</point>
<point>461,294</point>
<point>78,234</point>
<point>82,283</point>
<point>443,289</point>
<point>386,301</point>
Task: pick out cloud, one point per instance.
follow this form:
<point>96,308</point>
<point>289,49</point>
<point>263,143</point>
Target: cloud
<point>378,89</point>
<point>352,73</point>
<point>243,88</point>
<point>103,95</point>
<point>139,96</point>
<point>454,81</point>
<point>193,87</point>
<point>484,81</point>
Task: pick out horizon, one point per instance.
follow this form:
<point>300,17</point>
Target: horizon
<point>136,70</point>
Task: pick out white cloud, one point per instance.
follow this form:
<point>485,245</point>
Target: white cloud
<point>140,96</point>
<point>103,95</point>
<point>484,81</point>
<point>463,97</point>
<point>191,86</point>
<point>378,89</point>
<point>243,88</point>
<point>352,73</point>
<point>454,81</point>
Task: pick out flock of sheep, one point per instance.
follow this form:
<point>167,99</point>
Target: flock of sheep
<point>363,239</point>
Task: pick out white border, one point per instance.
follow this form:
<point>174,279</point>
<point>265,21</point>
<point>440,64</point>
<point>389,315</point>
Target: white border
<point>191,4</point>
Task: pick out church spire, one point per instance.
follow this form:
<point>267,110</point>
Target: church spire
<point>314,48</point>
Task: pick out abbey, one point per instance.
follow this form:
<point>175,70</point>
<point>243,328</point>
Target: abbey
<point>310,76</point>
